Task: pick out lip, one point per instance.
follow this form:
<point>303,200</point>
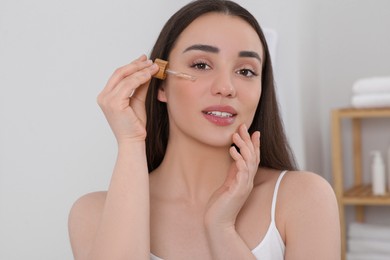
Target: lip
<point>218,120</point>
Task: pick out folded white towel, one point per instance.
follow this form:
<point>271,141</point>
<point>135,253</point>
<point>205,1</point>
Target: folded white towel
<point>357,256</point>
<point>371,101</point>
<point>369,246</point>
<point>368,231</point>
<point>375,85</point>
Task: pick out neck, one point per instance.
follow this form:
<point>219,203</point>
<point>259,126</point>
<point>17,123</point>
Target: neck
<point>192,171</point>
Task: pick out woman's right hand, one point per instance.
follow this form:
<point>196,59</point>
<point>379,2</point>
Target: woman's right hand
<point>123,99</point>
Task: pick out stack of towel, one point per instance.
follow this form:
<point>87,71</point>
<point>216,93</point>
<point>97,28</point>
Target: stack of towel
<point>368,242</point>
<point>371,93</point>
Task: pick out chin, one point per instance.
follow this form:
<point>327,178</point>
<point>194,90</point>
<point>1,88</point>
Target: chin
<point>219,141</point>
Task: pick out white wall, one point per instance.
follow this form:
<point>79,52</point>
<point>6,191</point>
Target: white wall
<point>54,142</point>
<point>55,57</point>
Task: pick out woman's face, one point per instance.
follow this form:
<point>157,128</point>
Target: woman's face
<point>225,54</point>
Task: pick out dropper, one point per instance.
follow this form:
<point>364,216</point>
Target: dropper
<point>163,71</point>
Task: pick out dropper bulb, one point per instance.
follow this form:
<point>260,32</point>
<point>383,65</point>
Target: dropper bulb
<point>162,64</point>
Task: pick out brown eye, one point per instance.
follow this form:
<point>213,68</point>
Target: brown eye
<point>247,73</point>
<point>200,66</point>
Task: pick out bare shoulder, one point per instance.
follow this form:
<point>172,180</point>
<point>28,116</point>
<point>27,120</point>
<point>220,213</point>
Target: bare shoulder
<point>302,184</point>
<point>302,191</point>
<point>83,221</point>
<point>297,190</point>
<point>309,210</point>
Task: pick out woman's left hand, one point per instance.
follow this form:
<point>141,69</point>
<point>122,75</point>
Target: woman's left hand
<point>227,201</point>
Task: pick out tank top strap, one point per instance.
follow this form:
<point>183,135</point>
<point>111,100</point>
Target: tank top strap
<point>275,196</point>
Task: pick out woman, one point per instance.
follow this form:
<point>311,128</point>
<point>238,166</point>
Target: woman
<point>212,192</point>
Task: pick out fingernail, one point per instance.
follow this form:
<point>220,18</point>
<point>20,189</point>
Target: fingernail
<point>142,57</point>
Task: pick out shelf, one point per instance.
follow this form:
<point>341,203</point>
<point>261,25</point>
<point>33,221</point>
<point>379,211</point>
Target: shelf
<point>364,113</point>
<point>362,195</point>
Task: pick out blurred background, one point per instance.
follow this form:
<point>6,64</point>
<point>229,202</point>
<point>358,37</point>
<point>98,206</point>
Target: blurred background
<point>56,56</point>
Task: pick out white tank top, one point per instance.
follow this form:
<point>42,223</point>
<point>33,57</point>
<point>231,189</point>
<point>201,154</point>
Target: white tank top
<point>272,246</point>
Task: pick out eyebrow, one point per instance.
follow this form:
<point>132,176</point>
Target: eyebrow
<point>249,54</point>
<point>213,49</point>
<point>202,47</point>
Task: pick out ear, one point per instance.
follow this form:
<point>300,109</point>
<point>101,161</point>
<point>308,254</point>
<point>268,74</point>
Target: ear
<point>161,95</point>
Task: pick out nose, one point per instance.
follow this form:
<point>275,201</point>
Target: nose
<point>223,85</point>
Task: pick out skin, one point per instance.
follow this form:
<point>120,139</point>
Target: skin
<point>205,200</point>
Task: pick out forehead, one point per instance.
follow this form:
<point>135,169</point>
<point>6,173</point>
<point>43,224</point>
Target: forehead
<point>221,30</point>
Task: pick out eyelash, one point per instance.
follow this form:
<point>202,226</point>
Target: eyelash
<point>245,71</point>
<point>201,65</point>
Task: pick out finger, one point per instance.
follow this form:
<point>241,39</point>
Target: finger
<point>240,162</point>
<point>126,86</point>
<point>128,69</point>
<point>140,93</point>
<point>119,97</point>
<point>246,148</point>
<point>253,145</point>
<point>235,154</point>
<point>125,71</point>
<point>256,143</point>
<point>242,177</point>
<point>230,176</point>
<point>244,134</point>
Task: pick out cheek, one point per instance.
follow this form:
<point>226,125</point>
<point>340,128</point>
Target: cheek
<point>180,95</point>
<point>251,101</point>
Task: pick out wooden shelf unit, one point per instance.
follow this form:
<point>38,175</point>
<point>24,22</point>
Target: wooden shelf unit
<point>360,194</point>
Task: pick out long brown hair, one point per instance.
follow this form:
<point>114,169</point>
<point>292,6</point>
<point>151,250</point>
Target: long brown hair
<point>275,150</point>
